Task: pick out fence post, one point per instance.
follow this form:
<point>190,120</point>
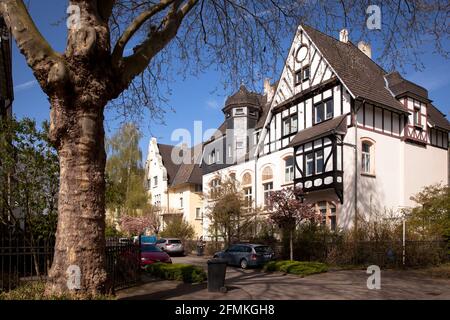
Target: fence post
<point>404,242</point>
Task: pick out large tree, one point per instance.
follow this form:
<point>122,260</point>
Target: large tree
<point>242,37</point>
<point>229,219</point>
<point>125,176</point>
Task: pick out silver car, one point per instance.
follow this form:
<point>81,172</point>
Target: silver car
<point>246,255</point>
<point>171,245</point>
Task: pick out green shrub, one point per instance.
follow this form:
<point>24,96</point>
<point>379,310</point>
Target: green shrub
<point>301,268</point>
<point>177,271</point>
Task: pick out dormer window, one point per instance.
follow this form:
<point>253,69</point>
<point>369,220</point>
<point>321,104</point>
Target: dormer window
<point>212,157</point>
<point>302,75</point>
<point>417,120</point>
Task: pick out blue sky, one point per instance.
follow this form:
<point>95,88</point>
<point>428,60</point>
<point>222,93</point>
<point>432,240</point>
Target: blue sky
<point>194,98</point>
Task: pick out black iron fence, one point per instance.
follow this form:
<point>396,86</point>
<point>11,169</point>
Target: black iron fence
<point>381,253</point>
<point>123,262</point>
<point>23,258</point>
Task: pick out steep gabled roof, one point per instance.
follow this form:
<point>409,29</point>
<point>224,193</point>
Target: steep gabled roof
<point>437,118</point>
<point>189,171</point>
<point>360,74</point>
<point>186,172</point>
<point>399,86</point>
<point>166,153</point>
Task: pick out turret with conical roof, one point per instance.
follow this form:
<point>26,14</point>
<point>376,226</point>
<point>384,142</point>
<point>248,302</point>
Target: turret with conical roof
<point>242,111</point>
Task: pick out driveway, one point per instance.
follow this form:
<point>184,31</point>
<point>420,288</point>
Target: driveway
<point>256,285</point>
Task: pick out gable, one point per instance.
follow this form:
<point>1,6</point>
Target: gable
<point>302,54</point>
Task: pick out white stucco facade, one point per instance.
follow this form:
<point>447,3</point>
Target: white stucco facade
<point>399,139</point>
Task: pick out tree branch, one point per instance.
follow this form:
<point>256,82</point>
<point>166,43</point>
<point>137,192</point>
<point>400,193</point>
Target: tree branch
<point>105,8</point>
<point>134,27</point>
<point>155,42</point>
<point>41,58</point>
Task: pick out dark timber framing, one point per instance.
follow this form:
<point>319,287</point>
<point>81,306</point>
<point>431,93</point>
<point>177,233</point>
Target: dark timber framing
<point>335,173</point>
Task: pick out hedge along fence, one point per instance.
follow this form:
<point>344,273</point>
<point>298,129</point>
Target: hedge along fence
<point>301,268</point>
<point>381,253</point>
<point>177,271</point>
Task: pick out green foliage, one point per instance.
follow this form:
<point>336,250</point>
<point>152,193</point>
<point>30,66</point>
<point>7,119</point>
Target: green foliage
<point>177,227</point>
<point>430,220</point>
<point>35,290</point>
<point>227,216</point>
<point>177,271</point>
<point>112,232</point>
<point>29,175</point>
<point>125,176</point>
<point>300,268</point>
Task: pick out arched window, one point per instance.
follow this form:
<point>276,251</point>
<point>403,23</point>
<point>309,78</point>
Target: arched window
<point>267,174</point>
<point>289,169</point>
<point>367,157</point>
<point>246,179</point>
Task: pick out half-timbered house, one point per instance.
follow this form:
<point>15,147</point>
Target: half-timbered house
<point>357,139</point>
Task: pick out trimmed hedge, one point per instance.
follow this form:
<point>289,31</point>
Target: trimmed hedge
<point>177,271</point>
<point>301,268</point>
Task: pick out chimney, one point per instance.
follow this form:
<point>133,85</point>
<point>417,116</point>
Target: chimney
<point>343,35</point>
<point>365,48</point>
<point>268,89</point>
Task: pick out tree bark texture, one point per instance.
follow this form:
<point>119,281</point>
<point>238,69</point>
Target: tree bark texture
<point>80,238</point>
<point>79,83</point>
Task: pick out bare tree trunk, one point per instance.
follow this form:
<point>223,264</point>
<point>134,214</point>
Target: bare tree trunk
<point>80,237</point>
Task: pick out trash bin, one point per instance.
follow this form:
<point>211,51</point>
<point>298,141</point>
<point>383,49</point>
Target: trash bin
<point>200,250</point>
<point>217,269</point>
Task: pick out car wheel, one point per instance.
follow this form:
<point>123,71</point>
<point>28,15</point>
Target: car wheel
<point>244,264</point>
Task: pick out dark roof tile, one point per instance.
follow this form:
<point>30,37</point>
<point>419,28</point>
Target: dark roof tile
<point>437,118</point>
<point>363,77</point>
<point>335,125</point>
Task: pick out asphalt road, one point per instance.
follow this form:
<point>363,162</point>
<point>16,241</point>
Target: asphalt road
<point>254,284</point>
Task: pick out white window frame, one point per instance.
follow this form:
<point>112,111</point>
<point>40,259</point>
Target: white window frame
<point>316,158</point>
<point>288,170</point>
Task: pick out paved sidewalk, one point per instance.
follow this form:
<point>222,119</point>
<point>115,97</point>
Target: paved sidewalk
<point>257,285</point>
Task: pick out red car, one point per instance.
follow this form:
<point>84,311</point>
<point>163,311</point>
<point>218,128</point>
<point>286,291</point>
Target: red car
<point>151,254</point>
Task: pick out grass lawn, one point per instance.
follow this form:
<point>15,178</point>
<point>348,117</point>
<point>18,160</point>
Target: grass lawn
<point>34,290</point>
<point>300,268</point>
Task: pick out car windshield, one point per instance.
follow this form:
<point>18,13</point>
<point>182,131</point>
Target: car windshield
<point>174,241</point>
<point>263,249</point>
<point>150,248</point>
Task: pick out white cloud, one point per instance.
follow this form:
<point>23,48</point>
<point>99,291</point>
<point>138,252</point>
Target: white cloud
<point>25,86</point>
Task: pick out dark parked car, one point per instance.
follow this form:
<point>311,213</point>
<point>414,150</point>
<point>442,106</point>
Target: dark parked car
<point>151,254</point>
<point>246,255</point>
